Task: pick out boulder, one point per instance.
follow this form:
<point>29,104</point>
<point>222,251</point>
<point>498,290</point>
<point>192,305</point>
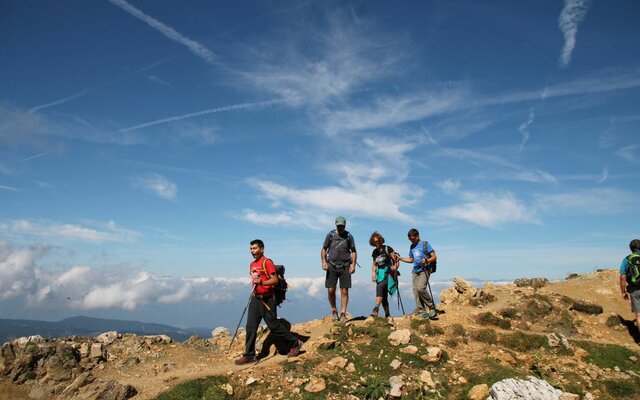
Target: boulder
<point>315,385</point>
<point>433,354</point>
<point>107,338</point>
<point>338,362</point>
<point>409,350</point>
<point>531,388</point>
<point>396,383</point>
<point>557,340</point>
<point>427,379</point>
<point>401,336</point>
<point>478,392</point>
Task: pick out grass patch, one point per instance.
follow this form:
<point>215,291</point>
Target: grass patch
<point>613,321</point>
<point>211,388</point>
<point>434,330</point>
<point>535,283</point>
<point>523,342</point>
<point>492,372</point>
<point>458,330</point>
<point>452,343</point>
<point>609,355</point>
<point>488,318</point>
<point>572,276</point>
<point>586,308</point>
<point>485,336</point>
<point>510,313</point>
<point>563,323</point>
<point>538,308</point>
<point>622,389</point>
<point>373,388</point>
<point>482,299</point>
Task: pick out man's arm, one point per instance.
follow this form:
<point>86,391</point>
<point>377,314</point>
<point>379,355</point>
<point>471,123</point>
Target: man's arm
<point>323,256</point>
<point>431,257</point>
<point>623,286</point>
<point>271,271</point>
<point>354,260</point>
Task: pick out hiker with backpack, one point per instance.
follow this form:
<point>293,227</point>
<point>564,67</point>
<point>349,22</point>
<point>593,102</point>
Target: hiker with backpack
<point>423,257</point>
<point>262,305</point>
<point>630,278</point>
<point>339,259</point>
<point>383,273</point>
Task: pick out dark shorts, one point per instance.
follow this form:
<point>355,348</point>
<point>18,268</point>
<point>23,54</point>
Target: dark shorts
<point>334,274</point>
<point>381,287</point>
<point>634,295</point>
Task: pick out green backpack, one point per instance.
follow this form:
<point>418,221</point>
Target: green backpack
<point>633,269</point>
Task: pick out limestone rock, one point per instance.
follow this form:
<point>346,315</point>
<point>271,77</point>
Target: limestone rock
<point>96,351</point>
<point>427,379</point>
<point>569,396</point>
<point>401,336</point>
<point>396,383</point>
<point>107,338</point>
<point>531,388</point>
<point>409,349</point>
<point>338,362</point>
<point>557,340</point>
<point>220,332</point>
<point>478,392</point>
<point>350,368</point>
<point>433,354</point>
<point>315,385</point>
<point>395,364</point>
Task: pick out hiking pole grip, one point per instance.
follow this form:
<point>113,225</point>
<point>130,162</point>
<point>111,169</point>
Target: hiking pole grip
<point>242,316</point>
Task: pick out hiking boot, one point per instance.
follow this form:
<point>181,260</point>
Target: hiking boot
<point>295,349</point>
<point>431,314</point>
<point>374,313</point>
<point>335,316</point>
<point>244,360</point>
<point>343,317</point>
<point>418,311</point>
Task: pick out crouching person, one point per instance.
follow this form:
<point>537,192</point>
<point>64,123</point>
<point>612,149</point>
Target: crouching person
<point>263,306</point>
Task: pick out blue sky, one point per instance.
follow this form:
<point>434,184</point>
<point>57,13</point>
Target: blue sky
<point>143,144</point>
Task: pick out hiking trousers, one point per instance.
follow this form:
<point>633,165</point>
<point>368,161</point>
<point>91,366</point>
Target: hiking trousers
<point>256,313</point>
<point>419,283</point>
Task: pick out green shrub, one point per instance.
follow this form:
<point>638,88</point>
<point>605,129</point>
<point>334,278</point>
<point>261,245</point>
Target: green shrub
<point>622,389</point>
<point>613,320</point>
<point>523,342</point>
<point>373,388</point>
<point>488,318</point>
<point>586,308</point>
<point>434,330</point>
<point>509,313</point>
<point>486,336</point>
<point>453,343</point>
<point>458,330</point>
<point>535,283</point>
<point>482,299</point>
<point>572,276</point>
<point>538,308</point>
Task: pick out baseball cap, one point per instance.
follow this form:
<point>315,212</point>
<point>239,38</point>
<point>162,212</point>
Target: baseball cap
<point>341,221</point>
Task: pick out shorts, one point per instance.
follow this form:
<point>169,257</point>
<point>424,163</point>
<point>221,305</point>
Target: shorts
<point>635,301</point>
<point>382,287</point>
<point>334,274</point>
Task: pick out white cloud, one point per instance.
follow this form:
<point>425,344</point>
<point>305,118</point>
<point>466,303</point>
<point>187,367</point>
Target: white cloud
<point>572,14</point>
<point>629,153</point>
<point>488,209</point>
<point>587,201</point>
<point>605,174</point>
<point>110,231</point>
<point>449,186</point>
<point>9,188</point>
<point>158,185</point>
<point>17,270</point>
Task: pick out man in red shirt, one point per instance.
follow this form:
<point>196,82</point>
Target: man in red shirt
<point>263,305</point>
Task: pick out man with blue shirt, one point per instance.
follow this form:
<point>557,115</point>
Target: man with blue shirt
<point>421,254</point>
<point>628,288</point>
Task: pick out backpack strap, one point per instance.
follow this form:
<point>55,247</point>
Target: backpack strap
<point>264,268</point>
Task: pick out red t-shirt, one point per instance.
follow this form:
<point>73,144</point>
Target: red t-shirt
<point>256,266</point>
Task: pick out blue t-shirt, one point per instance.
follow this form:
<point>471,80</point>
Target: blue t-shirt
<point>416,251</point>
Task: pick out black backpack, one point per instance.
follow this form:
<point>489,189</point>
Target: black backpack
<point>280,289</point>
<point>633,269</point>
<point>431,267</point>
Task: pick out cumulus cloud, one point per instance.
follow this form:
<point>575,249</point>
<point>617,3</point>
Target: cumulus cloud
<point>572,14</point>
<point>156,184</point>
<point>106,232</point>
<point>488,209</point>
<point>18,270</point>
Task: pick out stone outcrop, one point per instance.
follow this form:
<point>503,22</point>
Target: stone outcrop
<point>531,388</point>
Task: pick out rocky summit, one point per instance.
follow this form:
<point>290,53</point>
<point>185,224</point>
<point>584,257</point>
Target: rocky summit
<point>531,339</point>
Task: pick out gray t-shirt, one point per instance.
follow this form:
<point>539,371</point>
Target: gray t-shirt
<point>339,246</point>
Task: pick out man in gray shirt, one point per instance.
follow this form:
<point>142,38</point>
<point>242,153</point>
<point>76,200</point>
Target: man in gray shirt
<point>339,260</point>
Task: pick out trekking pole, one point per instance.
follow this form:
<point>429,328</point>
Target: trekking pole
<point>242,317</point>
<point>432,298</point>
<point>395,279</point>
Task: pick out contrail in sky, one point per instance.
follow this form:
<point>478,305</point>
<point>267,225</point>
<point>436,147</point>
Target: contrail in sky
<point>234,107</point>
<point>44,153</point>
<point>99,86</point>
<point>195,47</point>
<point>9,188</point>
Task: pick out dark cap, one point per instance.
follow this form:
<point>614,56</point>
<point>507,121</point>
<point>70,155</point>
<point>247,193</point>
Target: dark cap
<point>341,221</point>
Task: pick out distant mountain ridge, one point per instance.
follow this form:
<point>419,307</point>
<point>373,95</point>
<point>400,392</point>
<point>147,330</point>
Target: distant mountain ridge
<point>88,326</point>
